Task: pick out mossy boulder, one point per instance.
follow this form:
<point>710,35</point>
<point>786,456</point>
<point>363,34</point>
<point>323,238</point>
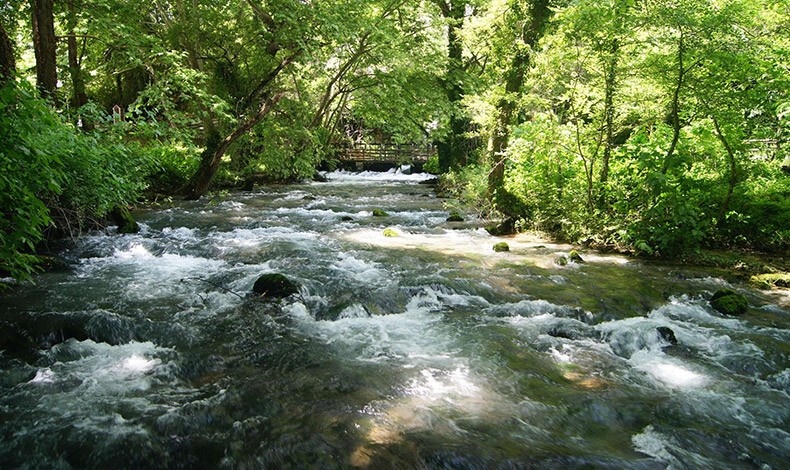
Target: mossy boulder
<point>729,302</point>
<point>501,246</point>
<point>575,257</point>
<point>124,220</point>
<point>390,232</point>
<point>768,281</point>
<point>561,261</point>
<point>508,227</point>
<point>455,216</point>
<point>275,285</point>
<point>380,213</point>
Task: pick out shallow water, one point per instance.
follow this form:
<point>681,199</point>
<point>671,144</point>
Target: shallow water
<point>424,350</point>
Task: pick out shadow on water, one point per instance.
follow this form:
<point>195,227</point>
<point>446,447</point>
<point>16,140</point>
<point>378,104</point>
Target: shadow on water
<point>423,350</point>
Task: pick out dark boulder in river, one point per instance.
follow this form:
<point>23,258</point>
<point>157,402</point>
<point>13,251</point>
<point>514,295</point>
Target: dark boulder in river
<point>275,285</point>
<point>666,334</point>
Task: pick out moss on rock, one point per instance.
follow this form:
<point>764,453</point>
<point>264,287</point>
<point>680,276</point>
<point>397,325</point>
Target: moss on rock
<point>390,232</point>
<point>455,216</point>
<point>124,220</point>
<point>501,246</point>
<point>770,280</point>
<point>729,302</point>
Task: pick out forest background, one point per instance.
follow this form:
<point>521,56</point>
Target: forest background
<point>656,127</point>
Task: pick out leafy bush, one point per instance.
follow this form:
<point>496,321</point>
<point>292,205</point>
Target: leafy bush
<point>27,172</point>
<point>172,166</point>
<point>470,186</point>
<point>53,177</point>
<point>432,165</point>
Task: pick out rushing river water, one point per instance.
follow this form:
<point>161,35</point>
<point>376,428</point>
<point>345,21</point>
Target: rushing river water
<point>425,350</point>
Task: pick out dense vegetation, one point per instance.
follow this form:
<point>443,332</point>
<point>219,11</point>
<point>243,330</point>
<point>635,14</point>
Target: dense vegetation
<point>653,126</point>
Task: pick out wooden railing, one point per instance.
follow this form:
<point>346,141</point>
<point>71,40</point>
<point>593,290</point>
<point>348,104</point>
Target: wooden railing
<point>394,153</point>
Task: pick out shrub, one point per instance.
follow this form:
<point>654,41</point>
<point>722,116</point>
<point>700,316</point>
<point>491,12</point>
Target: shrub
<point>53,176</point>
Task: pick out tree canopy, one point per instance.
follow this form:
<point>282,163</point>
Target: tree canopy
<point>653,126</point>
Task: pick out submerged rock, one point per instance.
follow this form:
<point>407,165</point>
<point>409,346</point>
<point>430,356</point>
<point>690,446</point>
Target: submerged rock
<point>561,260</point>
<point>379,213</point>
<point>666,334</point>
<point>573,330</point>
<point>347,218</point>
<point>501,246</point>
<point>275,285</point>
<point>729,302</point>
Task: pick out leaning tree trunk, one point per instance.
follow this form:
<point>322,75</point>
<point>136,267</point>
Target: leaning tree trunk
<point>675,110</point>
<point>45,46</point>
<point>216,148</point>
<point>732,165</point>
<point>610,79</point>
<point>7,60</point>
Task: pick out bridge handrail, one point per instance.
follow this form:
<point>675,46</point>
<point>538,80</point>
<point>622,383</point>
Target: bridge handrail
<point>364,152</point>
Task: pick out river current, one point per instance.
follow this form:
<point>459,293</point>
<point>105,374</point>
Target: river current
<point>423,350</point>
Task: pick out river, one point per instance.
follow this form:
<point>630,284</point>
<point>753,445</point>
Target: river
<point>423,350</point>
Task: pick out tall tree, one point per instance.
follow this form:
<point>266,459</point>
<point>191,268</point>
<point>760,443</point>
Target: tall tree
<point>78,98</point>
<point>45,47</point>
<point>529,20</point>
<point>455,148</point>
<point>7,59</point>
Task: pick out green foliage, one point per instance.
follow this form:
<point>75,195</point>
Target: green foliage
<point>27,173</point>
<point>656,127</point>
<point>432,165</point>
<point>172,164</point>
<point>54,177</point>
<point>470,186</point>
<point>653,185</point>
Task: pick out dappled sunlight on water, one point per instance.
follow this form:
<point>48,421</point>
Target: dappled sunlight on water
<point>427,349</point>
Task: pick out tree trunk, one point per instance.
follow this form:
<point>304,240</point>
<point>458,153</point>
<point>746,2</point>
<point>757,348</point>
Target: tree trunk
<point>45,45</point>
<point>454,150</point>
<point>539,14</point>
<point>733,168</point>
<point>216,148</point>
<point>79,98</point>
<point>675,111</point>
<point>610,83</point>
<point>7,60</point>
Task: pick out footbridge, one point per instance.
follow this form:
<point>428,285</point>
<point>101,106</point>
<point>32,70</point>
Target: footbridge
<point>381,157</point>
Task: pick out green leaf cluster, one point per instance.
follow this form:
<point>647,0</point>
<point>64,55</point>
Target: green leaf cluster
<point>54,178</point>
